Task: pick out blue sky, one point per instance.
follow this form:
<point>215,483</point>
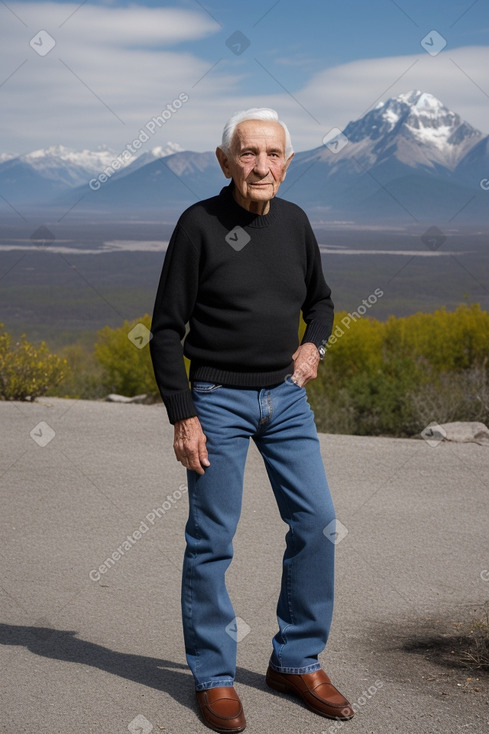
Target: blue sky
<point>114,65</point>
<point>311,34</point>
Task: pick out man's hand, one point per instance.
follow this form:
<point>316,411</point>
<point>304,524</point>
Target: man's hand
<point>189,445</point>
<point>306,360</point>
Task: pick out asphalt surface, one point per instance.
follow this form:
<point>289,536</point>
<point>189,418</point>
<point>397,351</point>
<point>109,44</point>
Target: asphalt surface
<point>90,650</point>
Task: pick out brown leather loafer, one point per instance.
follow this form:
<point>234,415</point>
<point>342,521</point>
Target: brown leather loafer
<point>221,709</point>
<point>315,689</point>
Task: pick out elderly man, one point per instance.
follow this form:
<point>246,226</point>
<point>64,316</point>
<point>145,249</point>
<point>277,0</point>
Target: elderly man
<point>239,269</point>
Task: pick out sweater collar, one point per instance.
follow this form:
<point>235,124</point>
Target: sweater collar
<point>242,215</point>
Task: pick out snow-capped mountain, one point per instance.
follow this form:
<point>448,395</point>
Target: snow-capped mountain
<point>401,157</point>
<point>64,165</point>
<point>409,157</point>
<point>168,183</point>
<point>414,130</point>
<point>47,172</point>
<point>41,175</point>
<point>152,155</point>
<point>422,130</point>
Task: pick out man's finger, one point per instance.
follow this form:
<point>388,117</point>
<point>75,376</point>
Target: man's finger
<point>204,458</point>
<point>194,462</point>
<point>195,466</point>
<point>203,455</point>
<point>180,453</point>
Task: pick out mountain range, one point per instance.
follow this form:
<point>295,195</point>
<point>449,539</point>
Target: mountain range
<point>409,159</point>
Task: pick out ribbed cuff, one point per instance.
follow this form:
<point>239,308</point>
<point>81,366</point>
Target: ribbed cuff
<point>317,333</point>
<point>179,406</point>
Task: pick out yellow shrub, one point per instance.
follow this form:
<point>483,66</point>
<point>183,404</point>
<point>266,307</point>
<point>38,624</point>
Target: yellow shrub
<point>27,371</point>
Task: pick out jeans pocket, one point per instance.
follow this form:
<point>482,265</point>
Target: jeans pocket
<point>205,387</point>
<point>289,381</point>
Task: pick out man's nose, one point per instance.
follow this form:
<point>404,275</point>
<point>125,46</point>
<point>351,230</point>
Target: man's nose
<point>261,164</point>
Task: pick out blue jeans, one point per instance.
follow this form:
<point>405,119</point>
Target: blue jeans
<point>281,423</point>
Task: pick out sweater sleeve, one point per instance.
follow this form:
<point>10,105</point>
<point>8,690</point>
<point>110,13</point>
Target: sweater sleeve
<point>318,308</point>
<point>175,298</point>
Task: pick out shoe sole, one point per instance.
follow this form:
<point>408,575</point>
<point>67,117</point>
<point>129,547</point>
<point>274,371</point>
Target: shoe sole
<point>220,730</point>
<point>225,731</point>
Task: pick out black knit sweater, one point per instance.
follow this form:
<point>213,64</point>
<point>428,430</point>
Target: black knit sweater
<point>240,281</point>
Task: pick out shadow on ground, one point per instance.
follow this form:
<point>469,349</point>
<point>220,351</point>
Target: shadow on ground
<point>160,674</point>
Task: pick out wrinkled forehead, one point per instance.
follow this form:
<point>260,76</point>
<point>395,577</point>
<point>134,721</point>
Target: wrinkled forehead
<point>259,134</point>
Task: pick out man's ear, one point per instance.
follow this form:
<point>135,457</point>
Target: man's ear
<point>287,162</point>
<point>223,162</point>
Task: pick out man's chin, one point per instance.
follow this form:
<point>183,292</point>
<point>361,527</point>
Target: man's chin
<point>253,196</point>
<point>260,193</point>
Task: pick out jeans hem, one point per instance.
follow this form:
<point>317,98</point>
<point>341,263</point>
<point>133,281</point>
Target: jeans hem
<point>225,682</point>
<point>295,671</point>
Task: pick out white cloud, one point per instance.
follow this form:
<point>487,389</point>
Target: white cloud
<point>335,96</point>
<point>113,25</point>
<point>124,59</point>
<point>130,60</point>
<point>346,92</point>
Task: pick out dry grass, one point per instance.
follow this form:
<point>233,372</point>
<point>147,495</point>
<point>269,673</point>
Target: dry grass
<point>454,644</point>
<point>476,651</point>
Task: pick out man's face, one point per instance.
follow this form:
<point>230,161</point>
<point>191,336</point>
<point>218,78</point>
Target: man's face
<point>256,163</point>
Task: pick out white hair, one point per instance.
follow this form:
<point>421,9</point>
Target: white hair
<point>254,113</point>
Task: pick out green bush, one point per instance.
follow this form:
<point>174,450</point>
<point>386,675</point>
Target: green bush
<point>395,377</point>
<point>85,374</point>
<point>27,371</point>
<point>125,358</point>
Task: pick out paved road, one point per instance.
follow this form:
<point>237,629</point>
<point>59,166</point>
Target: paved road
<point>89,646</point>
